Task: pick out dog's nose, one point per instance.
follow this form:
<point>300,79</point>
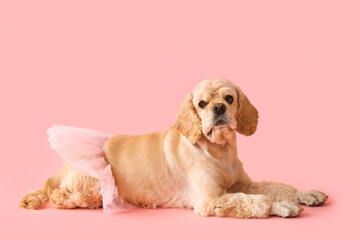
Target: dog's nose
<point>219,108</point>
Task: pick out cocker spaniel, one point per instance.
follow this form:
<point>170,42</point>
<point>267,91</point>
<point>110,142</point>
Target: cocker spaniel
<point>193,164</point>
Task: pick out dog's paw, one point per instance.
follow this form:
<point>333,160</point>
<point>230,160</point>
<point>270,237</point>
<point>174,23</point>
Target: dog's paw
<point>240,205</point>
<point>286,209</point>
<point>33,200</point>
<point>260,205</point>
<point>311,198</point>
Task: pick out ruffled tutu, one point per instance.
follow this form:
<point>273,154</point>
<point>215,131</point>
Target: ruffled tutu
<point>83,149</point>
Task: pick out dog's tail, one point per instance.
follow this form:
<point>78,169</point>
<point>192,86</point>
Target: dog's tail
<point>37,199</point>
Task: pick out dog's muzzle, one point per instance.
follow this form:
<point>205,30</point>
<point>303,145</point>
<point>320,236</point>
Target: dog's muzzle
<point>219,122</point>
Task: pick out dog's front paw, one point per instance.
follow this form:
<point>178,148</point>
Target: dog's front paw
<point>236,205</point>
<point>286,209</point>
<point>240,205</point>
<point>260,205</point>
<point>311,198</point>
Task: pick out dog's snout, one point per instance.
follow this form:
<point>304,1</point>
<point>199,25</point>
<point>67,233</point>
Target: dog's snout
<point>219,108</point>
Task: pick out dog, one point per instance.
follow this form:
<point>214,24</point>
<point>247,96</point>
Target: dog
<point>193,164</point>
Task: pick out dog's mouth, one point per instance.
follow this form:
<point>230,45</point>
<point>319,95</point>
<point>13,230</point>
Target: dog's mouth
<point>216,128</point>
<point>219,125</point>
<point>220,122</point>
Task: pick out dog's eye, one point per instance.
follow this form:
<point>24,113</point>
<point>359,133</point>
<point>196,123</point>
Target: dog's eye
<point>202,104</point>
<point>229,99</point>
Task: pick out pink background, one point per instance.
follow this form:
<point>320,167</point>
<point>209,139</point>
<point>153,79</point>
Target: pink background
<point>124,67</point>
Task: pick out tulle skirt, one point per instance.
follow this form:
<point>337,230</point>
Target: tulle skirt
<point>83,149</point>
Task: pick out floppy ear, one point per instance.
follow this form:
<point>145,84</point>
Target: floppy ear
<point>246,115</point>
<point>187,121</point>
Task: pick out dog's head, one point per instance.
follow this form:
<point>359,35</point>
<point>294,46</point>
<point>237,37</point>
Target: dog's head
<point>214,109</point>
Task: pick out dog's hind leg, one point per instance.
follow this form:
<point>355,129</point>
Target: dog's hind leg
<point>68,189</point>
<point>77,190</point>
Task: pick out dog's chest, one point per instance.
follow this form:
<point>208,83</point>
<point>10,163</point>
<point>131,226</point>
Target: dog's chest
<point>221,163</point>
<point>227,169</point>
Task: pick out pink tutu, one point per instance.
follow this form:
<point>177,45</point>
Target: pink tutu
<point>83,149</point>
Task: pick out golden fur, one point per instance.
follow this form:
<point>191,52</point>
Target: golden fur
<point>192,164</point>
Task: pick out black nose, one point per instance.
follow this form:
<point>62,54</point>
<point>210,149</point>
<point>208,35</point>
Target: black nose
<point>219,108</point>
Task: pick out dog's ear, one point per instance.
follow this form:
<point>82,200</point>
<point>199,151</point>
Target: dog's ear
<point>246,115</point>
<point>187,121</point>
